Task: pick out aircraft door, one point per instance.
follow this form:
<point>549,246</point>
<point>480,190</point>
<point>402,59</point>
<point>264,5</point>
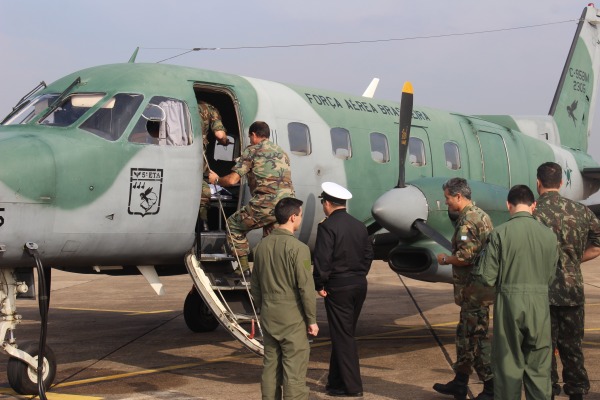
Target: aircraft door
<point>495,164</point>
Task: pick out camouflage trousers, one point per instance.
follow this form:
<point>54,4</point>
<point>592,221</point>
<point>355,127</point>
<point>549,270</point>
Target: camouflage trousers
<point>205,197</point>
<point>251,216</point>
<point>567,334</point>
<point>473,346</point>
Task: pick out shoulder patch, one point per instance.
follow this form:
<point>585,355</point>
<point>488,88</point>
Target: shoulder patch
<point>307,265</point>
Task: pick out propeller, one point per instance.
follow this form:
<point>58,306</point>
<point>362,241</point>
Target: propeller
<point>414,209</point>
<point>406,109</point>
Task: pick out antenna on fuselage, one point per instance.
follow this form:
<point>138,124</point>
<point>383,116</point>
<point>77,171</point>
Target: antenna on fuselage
<point>133,56</point>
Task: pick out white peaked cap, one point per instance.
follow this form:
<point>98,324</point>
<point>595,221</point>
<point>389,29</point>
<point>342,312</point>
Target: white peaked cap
<point>336,191</point>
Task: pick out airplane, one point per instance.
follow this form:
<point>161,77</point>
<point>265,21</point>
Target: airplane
<point>102,169</point>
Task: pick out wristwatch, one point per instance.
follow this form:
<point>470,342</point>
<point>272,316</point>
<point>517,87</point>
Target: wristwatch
<point>443,259</point>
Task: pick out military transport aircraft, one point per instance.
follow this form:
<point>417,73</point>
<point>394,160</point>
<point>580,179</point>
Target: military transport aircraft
<point>102,169</point>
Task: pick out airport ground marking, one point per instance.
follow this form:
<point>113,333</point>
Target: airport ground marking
<point>127,312</point>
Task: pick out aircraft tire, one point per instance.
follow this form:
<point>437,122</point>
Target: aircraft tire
<point>197,315</point>
<point>22,378</point>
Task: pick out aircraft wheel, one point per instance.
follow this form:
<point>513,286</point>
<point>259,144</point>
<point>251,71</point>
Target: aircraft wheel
<point>197,315</point>
<point>22,378</point>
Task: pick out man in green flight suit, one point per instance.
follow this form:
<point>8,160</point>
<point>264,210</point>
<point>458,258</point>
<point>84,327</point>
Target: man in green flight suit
<point>270,179</point>
<point>211,120</point>
<point>472,342</point>
<point>520,261</point>
<point>283,287</point>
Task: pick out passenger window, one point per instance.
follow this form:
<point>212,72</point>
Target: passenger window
<point>72,108</point>
<point>299,137</point>
<point>416,152</point>
<point>380,151</point>
<point>340,143</point>
<point>165,121</point>
<point>110,120</point>
<point>452,155</point>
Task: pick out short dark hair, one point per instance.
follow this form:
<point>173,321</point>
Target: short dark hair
<point>455,186</point>
<point>287,207</point>
<point>550,175</point>
<point>520,194</point>
<point>260,128</point>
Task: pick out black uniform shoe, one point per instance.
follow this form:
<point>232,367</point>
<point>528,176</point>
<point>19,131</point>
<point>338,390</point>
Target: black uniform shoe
<point>577,396</point>
<point>488,391</point>
<point>457,387</point>
<point>343,393</point>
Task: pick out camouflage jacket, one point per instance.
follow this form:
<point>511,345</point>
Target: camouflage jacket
<point>575,226</point>
<point>211,119</point>
<point>470,234</point>
<point>268,169</point>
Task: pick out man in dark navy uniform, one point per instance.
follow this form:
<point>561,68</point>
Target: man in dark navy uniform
<point>342,259</point>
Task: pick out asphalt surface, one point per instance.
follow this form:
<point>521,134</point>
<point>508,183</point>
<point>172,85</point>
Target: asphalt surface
<point>115,339</point>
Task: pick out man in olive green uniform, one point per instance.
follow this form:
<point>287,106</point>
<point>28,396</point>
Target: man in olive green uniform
<point>472,342</point>
<point>283,288</point>
<point>211,120</point>
<point>270,179</point>
<point>578,232</point>
<point>520,261</point>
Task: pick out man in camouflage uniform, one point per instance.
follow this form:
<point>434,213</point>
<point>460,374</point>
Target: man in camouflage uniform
<point>578,232</point>
<point>270,179</point>
<point>473,349</point>
<point>519,260</point>
<point>211,120</point>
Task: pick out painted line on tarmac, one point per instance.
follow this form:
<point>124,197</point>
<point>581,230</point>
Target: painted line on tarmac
<point>53,396</point>
<point>126,312</point>
<point>149,371</point>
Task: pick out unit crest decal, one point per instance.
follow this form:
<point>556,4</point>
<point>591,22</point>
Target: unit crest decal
<point>145,189</point>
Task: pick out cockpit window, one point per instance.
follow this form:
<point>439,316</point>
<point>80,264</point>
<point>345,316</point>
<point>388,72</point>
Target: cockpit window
<point>72,108</point>
<point>31,109</point>
<point>111,119</point>
<point>165,121</point>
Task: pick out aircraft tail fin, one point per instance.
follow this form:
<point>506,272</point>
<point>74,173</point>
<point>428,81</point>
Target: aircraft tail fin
<point>370,91</point>
<point>575,97</point>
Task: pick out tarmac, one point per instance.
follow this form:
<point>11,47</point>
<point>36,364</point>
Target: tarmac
<point>114,338</point>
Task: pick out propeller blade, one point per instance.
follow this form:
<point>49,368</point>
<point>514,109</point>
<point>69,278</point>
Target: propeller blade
<point>406,109</point>
<point>433,234</point>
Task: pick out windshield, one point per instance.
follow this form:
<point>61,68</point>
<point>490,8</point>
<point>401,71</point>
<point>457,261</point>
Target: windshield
<point>72,108</point>
<point>31,109</point>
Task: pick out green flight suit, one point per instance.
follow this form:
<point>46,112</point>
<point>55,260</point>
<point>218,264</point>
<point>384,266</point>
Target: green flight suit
<point>520,261</point>
<point>282,286</point>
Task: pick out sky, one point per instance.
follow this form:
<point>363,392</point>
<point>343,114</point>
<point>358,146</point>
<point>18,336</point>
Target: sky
<point>512,71</point>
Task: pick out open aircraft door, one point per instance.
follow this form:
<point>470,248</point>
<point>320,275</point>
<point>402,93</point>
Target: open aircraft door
<point>219,307</point>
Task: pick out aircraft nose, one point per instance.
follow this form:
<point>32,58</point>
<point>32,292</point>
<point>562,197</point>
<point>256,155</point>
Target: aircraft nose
<point>28,172</point>
<point>398,209</point>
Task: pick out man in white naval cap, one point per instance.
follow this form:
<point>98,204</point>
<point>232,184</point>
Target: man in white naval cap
<point>342,259</point>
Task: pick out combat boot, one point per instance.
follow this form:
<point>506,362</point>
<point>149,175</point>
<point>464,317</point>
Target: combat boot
<point>577,396</point>
<point>244,269</point>
<point>457,387</point>
<point>488,391</point>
